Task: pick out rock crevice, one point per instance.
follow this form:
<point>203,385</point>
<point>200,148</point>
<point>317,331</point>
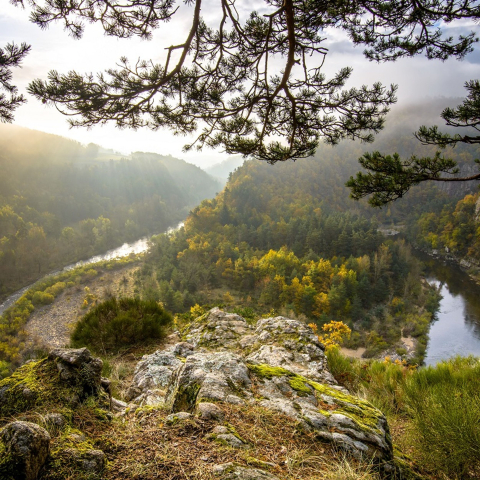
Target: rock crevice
<point>277,363</point>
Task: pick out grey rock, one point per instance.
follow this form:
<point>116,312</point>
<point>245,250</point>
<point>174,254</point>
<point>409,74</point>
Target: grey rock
<point>219,429</point>
<point>78,368</point>
<point>93,461</point>
<point>230,471</point>
<point>56,420</point>
<point>28,446</point>
<point>208,376</point>
<point>230,361</point>
<point>291,344</point>
<point>90,461</point>
<point>218,329</point>
<point>77,437</point>
<point>118,406</point>
<point>183,349</point>
<point>210,411</point>
<point>153,373</point>
<point>231,440</point>
<point>178,417</point>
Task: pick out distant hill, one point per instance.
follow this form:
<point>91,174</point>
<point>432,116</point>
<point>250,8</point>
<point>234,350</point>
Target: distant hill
<point>223,169</point>
<point>194,183</point>
<point>61,201</point>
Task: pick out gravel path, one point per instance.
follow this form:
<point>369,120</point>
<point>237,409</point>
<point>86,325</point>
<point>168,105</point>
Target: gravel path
<point>50,326</point>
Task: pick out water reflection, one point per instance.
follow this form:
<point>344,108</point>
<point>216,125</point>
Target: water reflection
<point>457,329</point>
<point>126,249</point>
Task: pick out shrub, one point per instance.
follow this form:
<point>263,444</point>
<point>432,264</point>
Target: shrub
<point>42,298</point>
<point>118,323</point>
<point>57,288</point>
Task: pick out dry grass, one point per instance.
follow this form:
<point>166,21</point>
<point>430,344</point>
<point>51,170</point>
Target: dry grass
<point>142,446</point>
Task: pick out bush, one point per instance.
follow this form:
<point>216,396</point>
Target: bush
<point>42,298</point>
<point>118,323</point>
<point>57,288</point>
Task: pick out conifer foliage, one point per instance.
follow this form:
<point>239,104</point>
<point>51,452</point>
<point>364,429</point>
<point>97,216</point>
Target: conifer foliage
<point>10,56</point>
<point>389,177</point>
<point>224,79</point>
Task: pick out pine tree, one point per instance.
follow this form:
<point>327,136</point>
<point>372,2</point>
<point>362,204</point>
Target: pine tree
<point>11,56</point>
<point>224,78</point>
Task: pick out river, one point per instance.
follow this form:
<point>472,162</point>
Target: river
<point>455,332</point>
<point>138,246</point>
<point>457,328</point>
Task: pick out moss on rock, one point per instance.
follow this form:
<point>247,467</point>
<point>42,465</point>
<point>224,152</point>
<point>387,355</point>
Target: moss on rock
<point>361,412</point>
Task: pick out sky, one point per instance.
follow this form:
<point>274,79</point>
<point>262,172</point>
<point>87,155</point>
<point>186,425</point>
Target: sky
<point>52,49</point>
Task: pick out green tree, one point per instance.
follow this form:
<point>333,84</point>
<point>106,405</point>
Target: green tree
<point>10,56</point>
<point>223,77</point>
<point>388,177</point>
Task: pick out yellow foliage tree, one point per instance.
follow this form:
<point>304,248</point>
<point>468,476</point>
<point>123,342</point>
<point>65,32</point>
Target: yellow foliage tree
<point>334,333</point>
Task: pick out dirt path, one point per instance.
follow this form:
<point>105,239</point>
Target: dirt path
<point>50,326</point>
<point>357,353</point>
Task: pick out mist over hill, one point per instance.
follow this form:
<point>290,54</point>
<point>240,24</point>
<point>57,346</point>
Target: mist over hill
<point>61,201</point>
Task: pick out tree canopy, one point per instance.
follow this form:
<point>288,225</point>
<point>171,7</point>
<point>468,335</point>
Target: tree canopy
<point>389,177</point>
<point>250,84</point>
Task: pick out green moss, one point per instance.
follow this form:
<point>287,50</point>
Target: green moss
<point>299,385</point>
<point>26,387</point>
<point>147,409</point>
<point>7,465</point>
<point>186,397</point>
<point>70,439</point>
<point>267,371</point>
<point>38,385</point>
<point>296,382</point>
<point>234,432</point>
<point>255,462</point>
<point>361,412</point>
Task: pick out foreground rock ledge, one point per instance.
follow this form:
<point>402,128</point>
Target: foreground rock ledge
<point>277,363</point>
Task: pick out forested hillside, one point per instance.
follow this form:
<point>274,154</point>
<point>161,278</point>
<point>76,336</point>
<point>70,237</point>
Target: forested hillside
<point>59,203</point>
<point>288,237</point>
<point>454,231</point>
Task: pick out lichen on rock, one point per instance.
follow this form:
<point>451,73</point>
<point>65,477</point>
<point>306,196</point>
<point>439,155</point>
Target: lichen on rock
<point>25,449</point>
<point>278,364</point>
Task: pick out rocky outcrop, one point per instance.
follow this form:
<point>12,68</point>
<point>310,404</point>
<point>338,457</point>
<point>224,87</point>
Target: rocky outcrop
<point>26,448</point>
<point>277,364</point>
<point>66,377</point>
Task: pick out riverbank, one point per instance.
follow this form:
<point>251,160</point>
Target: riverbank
<point>50,326</point>
<point>467,264</point>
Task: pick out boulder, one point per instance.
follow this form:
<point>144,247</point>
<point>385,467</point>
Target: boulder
<point>90,461</point>
<point>277,364</point>
<point>209,411</point>
<point>153,373</point>
<point>78,368</point>
<point>178,417</point>
<point>27,446</point>
<point>66,377</point>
